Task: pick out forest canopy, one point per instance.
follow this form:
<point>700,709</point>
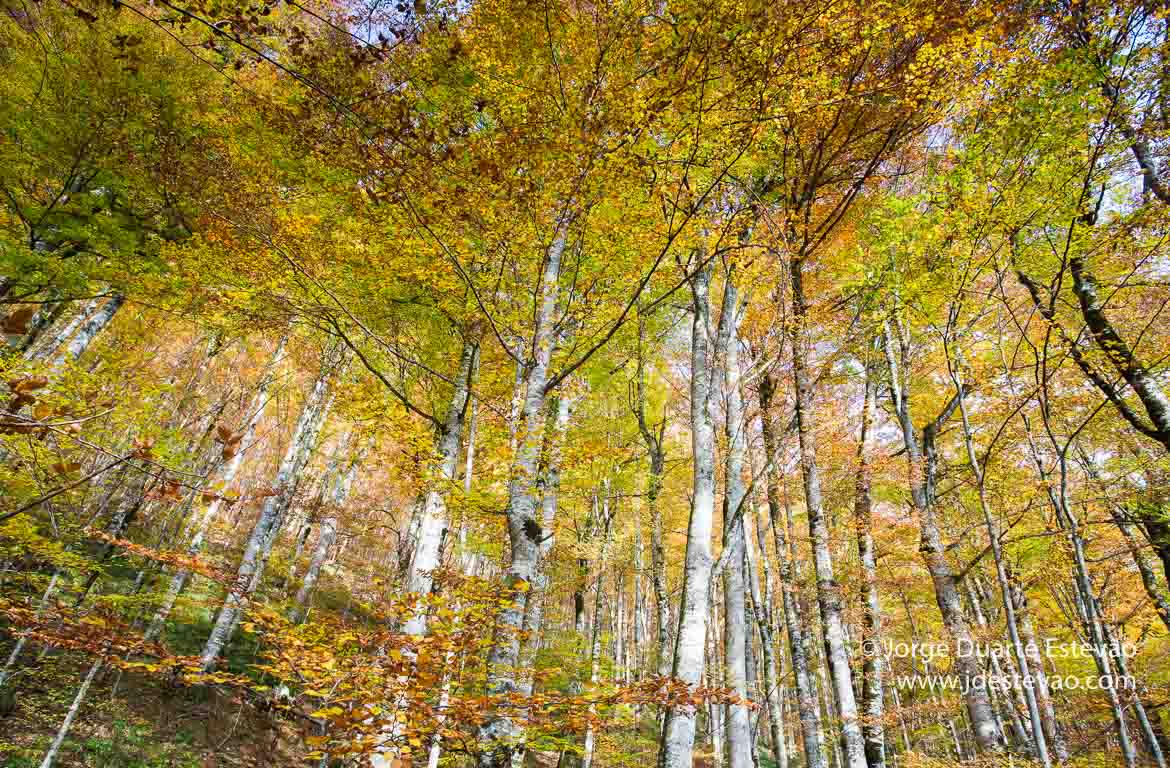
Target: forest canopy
<point>512,384</point>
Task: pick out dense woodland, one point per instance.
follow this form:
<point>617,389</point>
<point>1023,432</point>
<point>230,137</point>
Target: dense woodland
<point>583,383</point>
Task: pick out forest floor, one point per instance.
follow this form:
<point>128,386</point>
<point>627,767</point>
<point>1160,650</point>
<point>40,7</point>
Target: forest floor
<point>132,721</point>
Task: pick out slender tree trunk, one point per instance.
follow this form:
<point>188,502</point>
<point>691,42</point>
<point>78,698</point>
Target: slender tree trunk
<point>654,447</point>
<point>638,628</point>
<point>873,661</point>
<point>498,736</point>
<point>334,499</point>
<point>431,527</point>
<point>735,633</point>
<point>595,641</point>
<point>90,325</point>
<point>678,734</point>
<point>1039,743</point>
<point>762,603</point>
<point>1146,386</point>
<point>468,565</point>
<point>828,591</point>
<point>1088,608</point>
<point>267,526</point>
<point>550,483</point>
<point>1036,664</point>
<point>806,701</point>
<point>1091,616</point>
<point>304,528</point>
<point>228,476</point>
<point>1020,734</point>
<point>1153,746</point>
<point>1154,590</point>
<point>922,460</point>
<point>429,523</point>
<point>71,715</point>
<point>1154,422</point>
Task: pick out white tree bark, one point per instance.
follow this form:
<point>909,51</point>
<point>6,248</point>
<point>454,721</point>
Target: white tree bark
<point>499,737</point>
<point>762,601</point>
<point>678,735</point>
<point>794,620</point>
<point>61,331</point>
<point>431,528</point>
<point>228,476</point>
<point>264,532</point>
<point>735,633</point>
<point>550,483</point>
<point>71,715</point>
<point>828,591</point>
<point>595,641</point>
<point>94,323</point>
<point>873,660</point>
<point>335,497</point>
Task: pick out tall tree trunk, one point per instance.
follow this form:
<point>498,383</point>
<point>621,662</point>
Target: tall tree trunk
<point>550,484</point>
<point>735,633</point>
<point>21,340</point>
<point>873,661</point>
<point>1149,736</point>
<point>922,461</point>
<point>264,532</point>
<point>1089,609</point>
<point>468,564</point>
<point>431,527</point>
<point>639,623</point>
<point>228,476</point>
<point>806,701</point>
<point>976,598</point>
<point>654,447</point>
<point>1039,742</point>
<point>828,591</point>
<point>334,498</point>
<point>498,736</point>
<point>762,602</point>
<point>678,733</point>
<point>595,641</point>
<point>71,715</point>
<point>1036,664</point>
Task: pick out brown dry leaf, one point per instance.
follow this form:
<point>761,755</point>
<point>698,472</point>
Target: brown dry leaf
<point>17,322</point>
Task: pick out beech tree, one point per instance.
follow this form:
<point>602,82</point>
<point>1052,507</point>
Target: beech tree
<point>501,384</point>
